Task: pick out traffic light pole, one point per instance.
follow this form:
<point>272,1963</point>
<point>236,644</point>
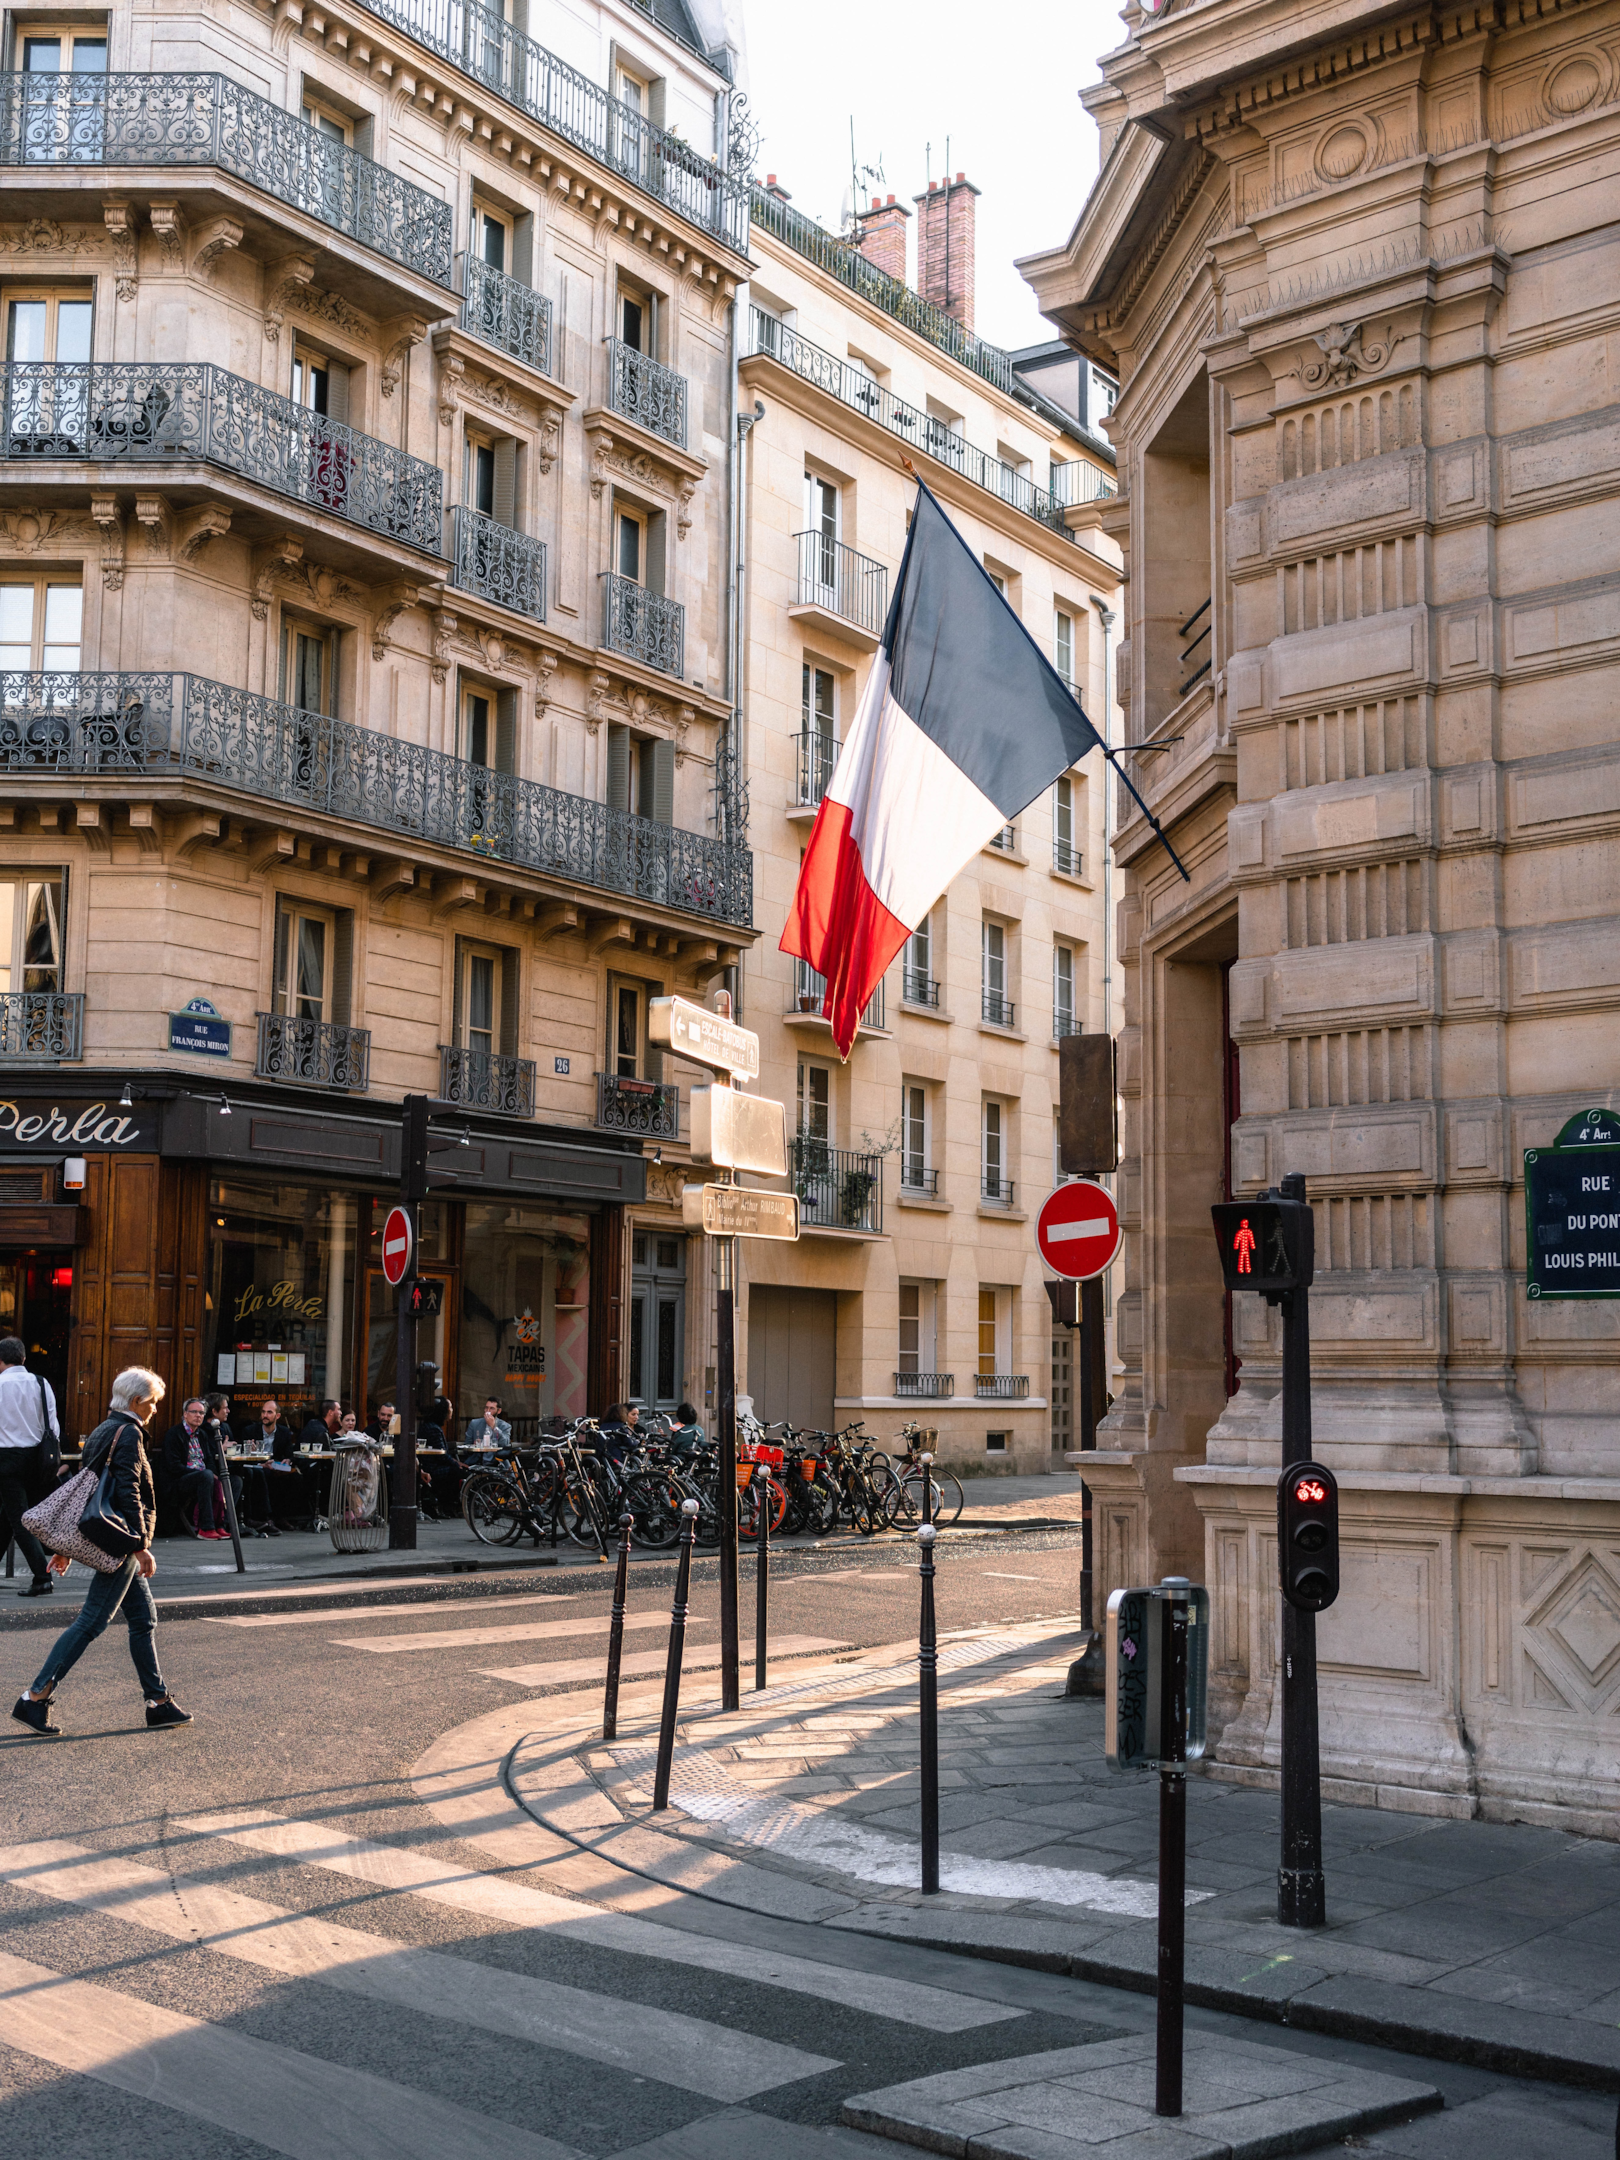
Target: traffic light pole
<point>726,1380</point>
<point>1089,1396</point>
<point>413,1143</point>
<point>1301,1889</point>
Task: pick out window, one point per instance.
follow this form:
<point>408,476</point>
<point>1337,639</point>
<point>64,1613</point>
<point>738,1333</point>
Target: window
<point>1066,855</point>
<point>47,325</point>
<point>917,983</point>
<point>998,581</point>
<point>815,1102</point>
<point>305,951</point>
<point>915,1174</point>
<point>632,90</point>
<point>995,1006</point>
<point>485,1019</point>
<point>918,1332</point>
<point>491,238</point>
<point>309,666</point>
<point>995,1443</point>
<point>989,1331</point>
<point>31,915</point>
<point>47,50</point>
<point>1063,973</point>
<point>319,383</point>
<point>335,126</point>
<point>993,1182</point>
<point>818,749</point>
<point>641,774</point>
<point>627,1045</point>
<point>1063,645</point>
<point>632,544</point>
<point>1005,841</point>
<point>637,318</point>
<point>41,620</point>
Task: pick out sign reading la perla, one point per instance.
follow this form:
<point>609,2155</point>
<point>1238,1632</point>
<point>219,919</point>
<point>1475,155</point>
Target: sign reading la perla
<point>1572,1211</point>
<point>42,1125</point>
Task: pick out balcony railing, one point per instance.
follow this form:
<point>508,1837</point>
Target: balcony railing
<point>1006,840</point>
<point>995,1190</point>
<point>834,577</point>
<point>313,1053</point>
<point>1068,859</point>
<point>498,564</point>
<point>504,312</point>
<point>818,754</point>
<point>47,1025</point>
<point>1074,481</point>
<point>936,1386</point>
<point>810,991</point>
<point>185,119</point>
<point>481,45</point>
<point>151,725</point>
<point>1065,1021</point>
<point>642,624</point>
<point>1001,1386</point>
<point>995,1010</point>
<point>917,988</point>
<point>920,429</point>
<point>1195,648</point>
<point>644,391</point>
<point>837,1190</point>
<point>487,1080</point>
<point>651,1108</point>
<point>915,1179</point>
<point>164,412</point>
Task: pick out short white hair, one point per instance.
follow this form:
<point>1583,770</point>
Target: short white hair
<point>136,1384</point>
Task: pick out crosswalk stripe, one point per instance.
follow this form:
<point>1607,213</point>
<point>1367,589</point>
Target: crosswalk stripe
<point>532,1631</point>
<point>698,1658</point>
<point>519,1904</point>
<point>280,2099</point>
<point>531,1598</point>
<point>688,2053</point>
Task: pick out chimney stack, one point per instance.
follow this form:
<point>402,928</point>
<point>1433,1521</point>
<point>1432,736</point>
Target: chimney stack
<point>883,236</point>
<point>946,247</point>
<point>774,187</point>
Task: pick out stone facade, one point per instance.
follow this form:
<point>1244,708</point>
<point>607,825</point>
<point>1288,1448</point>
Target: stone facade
<point>1358,286</point>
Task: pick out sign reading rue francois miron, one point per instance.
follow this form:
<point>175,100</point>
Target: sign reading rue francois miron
<point>1572,1210</point>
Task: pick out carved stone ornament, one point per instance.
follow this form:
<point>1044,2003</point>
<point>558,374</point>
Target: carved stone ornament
<point>444,630</point>
<point>217,238</point>
<point>152,515</point>
<point>194,531</point>
<point>550,441</point>
<point>396,599</point>
<point>109,522</point>
<point>542,686</point>
<point>283,282</point>
<point>452,375</point>
<point>329,308</point>
<point>29,530</point>
<point>120,225</point>
<point>485,390</point>
<point>167,224</point>
<point>1344,357</point>
<point>683,518</point>
<point>608,462</point>
<point>409,330</point>
<point>596,698</point>
<point>283,553</point>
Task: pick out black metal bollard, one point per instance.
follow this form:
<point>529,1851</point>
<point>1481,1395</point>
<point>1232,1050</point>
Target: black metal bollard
<point>928,1709</point>
<point>672,1669</point>
<point>1172,1864</point>
<point>762,1575</point>
<point>928,1489</point>
<point>610,1700</point>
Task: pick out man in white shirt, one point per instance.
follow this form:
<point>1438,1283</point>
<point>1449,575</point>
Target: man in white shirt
<point>27,1419</point>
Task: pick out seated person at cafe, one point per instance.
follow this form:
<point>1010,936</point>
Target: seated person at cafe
<point>490,1430</point>
<point>381,1426</point>
<point>248,1482</point>
<point>190,1462</point>
<point>433,1407</point>
<point>320,1432</point>
<point>621,1430</point>
<point>272,1436</point>
<point>687,1437</point>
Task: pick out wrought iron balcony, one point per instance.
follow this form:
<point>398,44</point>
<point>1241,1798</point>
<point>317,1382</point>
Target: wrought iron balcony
<point>996,1010</point>
<point>498,564</point>
<point>164,412</point>
<point>915,1179</point>
<point>313,1053</point>
<point>936,1386</point>
<point>918,988</point>
<point>1065,1021</point>
<point>1005,841</point>
<point>487,1080</point>
<point>810,991</point>
<point>651,1108</point>
<point>812,364</point>
<point>155,725</point>
<point>482,45</point>
<point>995,1190</point>
<point>1001,1386</point>
<point>834,577</point>
<point>837,1190</point>
<point>1067,859</point>
<point>1075,481</point>
<point>818,754</point>
<point>642,624</point>
<point>646,392</point>
<point>193,119</point>
<point>46,1026</point>
<point>504,312</point>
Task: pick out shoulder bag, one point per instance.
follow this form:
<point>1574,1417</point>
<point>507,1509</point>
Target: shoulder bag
<point>101,1522</point>
<point>56,1520</point>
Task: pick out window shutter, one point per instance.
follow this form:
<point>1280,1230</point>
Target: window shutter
<point>506,459</point>
<point>654,577</point>
<point>365,136</point>
<point>337,391</point>
<point>342,997</point>
<point>509,1003</point>
<point>459,961</point>
<point>278,995</point>
<point>618,766</point>
<point>506,710</point>
<point>658,782</point>
<point>523,249</point>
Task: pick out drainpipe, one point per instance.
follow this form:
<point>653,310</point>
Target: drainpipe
<point>1107,618</point>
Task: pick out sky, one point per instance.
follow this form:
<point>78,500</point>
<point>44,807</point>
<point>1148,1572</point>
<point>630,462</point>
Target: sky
<point>1000,81</point>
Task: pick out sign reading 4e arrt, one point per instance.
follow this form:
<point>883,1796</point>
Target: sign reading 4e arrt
<point>1572,1211</point>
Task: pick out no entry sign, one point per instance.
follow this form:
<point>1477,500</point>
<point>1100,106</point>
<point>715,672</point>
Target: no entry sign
<point>1078,1230</point>
<point>397,1244</point>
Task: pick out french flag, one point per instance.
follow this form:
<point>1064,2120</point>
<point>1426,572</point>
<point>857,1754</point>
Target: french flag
<point>962,724</point>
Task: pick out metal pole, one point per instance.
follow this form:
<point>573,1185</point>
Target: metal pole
<point>928,1489</point>
<point>231,1522</point>
<point>726,1377</point>
<point>610,1699</point>
<point>11,1552</point>
<point>672,1667</point>
<point>1301,1888</point>
<point>762,1576</point>
<point>928,1711</point>
<point>1090,1349</point>
<point>1172,1862</point>
<point>413,1141</point>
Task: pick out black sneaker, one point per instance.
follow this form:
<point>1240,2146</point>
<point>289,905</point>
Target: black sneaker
<point>41,1586</point>
<point>36,1715</point>
<point>167,1712</point>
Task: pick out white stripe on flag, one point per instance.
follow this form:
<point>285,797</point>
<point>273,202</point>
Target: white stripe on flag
<point>1062,1233</point>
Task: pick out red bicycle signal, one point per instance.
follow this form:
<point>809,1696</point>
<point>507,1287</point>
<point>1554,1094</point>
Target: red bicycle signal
<point>398,1246</point>
<point>1310,1491</point>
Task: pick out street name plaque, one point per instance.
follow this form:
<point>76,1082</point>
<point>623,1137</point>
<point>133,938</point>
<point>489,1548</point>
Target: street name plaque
<point>732,1211</point>
<point>1572,1211</point>
<point>692,1031</point>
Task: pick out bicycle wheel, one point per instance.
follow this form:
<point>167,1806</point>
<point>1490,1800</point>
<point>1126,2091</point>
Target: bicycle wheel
<point>947,1496</point>
<point>493,1508</point>
<point>654,1501</point>
<point>748,1509</point>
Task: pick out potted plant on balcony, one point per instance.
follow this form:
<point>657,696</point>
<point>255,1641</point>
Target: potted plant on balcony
<point>855,1195</point>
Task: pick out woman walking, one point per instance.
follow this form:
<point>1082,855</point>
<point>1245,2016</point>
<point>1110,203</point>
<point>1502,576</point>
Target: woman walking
<point>116,1440</point>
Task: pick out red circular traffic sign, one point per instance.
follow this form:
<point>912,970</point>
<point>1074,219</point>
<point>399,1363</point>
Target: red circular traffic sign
<point>1078,1230</point>
<point>397,1246</point>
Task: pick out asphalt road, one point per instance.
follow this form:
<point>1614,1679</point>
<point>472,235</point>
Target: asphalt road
<point>429,2030</point>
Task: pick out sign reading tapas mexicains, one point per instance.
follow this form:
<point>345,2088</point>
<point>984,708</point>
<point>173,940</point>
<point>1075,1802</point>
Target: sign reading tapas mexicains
<point>692,1031</point>
<point>43,1125</point>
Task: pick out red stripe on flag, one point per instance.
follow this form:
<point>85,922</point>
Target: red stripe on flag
<point>838,925</point>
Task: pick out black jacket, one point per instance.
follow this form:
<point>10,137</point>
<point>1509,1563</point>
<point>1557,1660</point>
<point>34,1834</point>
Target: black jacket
<point>175,1457</point>
<point>282,1442</point>
<point>314,1435</point>
<point>133,1493</point>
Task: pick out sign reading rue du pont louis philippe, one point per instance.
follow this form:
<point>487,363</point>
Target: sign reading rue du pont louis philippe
<point>1572,1211</point>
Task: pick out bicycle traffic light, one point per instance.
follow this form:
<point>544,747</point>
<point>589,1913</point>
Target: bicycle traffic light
<point>1308,1536</point>
<point>1265,1244</point>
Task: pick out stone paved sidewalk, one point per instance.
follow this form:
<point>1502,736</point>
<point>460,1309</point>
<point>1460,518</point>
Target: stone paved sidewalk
<point>1489,1942</point>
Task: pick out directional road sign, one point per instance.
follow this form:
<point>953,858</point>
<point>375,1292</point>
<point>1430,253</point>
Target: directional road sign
<point>398,1245</point>
<point>732,1211</point>
<point>1078,1230</point>
<point>675,1023</point>
<point>738,1131</point>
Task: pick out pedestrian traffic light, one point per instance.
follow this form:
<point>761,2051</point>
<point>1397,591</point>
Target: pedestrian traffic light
<point>1308,1536</point>
<point>1265,1244</point>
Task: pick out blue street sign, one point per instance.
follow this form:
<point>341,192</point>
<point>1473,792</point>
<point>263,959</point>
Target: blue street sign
<point>199,1029</point>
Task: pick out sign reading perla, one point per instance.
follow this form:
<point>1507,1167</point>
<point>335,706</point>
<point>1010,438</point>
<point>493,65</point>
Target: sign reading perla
<point>45,1125</point>
<point>1572,1211</point>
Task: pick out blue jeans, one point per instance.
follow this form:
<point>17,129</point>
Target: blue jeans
<point>123,1586</point>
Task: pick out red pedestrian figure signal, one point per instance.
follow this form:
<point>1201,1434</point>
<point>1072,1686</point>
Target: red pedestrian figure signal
<point>1243,1245</point>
